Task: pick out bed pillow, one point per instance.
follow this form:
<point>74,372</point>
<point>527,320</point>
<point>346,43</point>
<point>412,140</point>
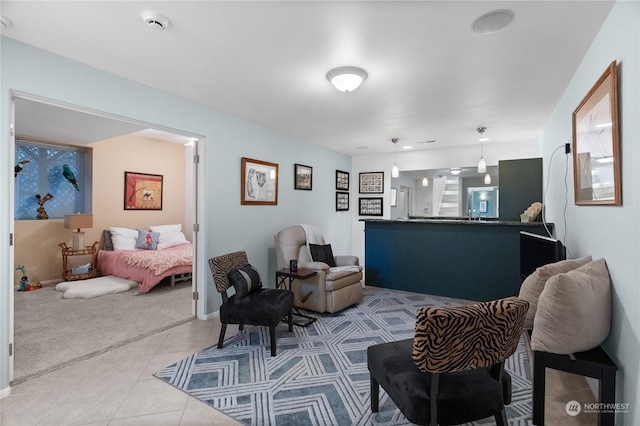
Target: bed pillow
<point>574,310</point>
<point>147,240</point>
<point>166,228</point>
<point>245,280</point>
<point>532,285</point>
<point>170,239</point>
<point>123,238</point>
<point>322,253</point>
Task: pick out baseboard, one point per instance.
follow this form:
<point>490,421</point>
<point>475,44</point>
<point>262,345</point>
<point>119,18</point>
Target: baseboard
<point>5,392</point>
<point>212,315</point>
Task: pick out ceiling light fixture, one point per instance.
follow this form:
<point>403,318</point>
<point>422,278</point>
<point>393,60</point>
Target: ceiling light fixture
<point>347,79</point>
<point>5,22</point>
<point>425,181</point>
<point>493,21</point>
<point>155,21</point>
<point>455,171</point>
<point>482,165</point>
<point>394,171</point>
<point>487,179</point>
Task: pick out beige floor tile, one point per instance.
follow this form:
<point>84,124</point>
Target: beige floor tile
<point>58,380</point>
<point>117,370</point>
<point>22,410</point>
<point>206,416</point>
<point>171,418</point>
<point>161,361</point>
<point>150,397</point>
<point>147,346</point>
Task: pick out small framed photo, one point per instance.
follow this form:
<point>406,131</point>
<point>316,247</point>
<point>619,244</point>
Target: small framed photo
<point>482,206</point>
<point>342,180</point>
<point>303,178</point>
<point>370,206</point>
<point>259,183</point>
<point>342,201</point>
<point>142,191</point>
<point>372,183</point>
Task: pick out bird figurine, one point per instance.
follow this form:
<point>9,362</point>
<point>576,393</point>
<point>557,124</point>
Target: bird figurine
<point>68,175</point>
<point>18,168</point>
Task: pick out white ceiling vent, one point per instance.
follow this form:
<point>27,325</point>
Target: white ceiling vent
<point>156,21</point>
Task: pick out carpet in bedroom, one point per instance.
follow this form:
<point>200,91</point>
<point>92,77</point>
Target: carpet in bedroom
<point>51,332</point>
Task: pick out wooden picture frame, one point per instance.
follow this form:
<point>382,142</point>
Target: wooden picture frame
<point>372,183</point>
<point>596,147</point>
<point>342,201</point>
<point>142,191</point>
<point>342,180</point>
<point>259,183</point>
<point>303,177</point>
<point>370,206</point>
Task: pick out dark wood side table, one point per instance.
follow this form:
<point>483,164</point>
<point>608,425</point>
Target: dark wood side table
<point>284,278</point>
<point>592,363</point>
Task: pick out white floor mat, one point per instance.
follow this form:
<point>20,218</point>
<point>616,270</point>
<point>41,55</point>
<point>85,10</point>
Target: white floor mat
<point>94,287</point>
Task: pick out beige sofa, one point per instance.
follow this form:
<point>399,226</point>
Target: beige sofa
<point>331,290</point>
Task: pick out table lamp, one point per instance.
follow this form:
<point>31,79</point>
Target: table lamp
<point>77,221</point>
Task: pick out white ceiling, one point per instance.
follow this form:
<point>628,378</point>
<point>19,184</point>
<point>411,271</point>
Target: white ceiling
<point>430,76</point>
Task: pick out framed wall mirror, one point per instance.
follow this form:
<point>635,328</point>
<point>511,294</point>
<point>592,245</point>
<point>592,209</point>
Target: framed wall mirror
<point>596,149</point>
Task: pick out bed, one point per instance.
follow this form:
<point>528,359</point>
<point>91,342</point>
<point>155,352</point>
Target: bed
<point>147,267</point>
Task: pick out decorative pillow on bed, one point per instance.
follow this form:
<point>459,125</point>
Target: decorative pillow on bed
<point>170,239</point>
<point>166,228</point>
<point>322,253</point>
<point>245,280</point>
<point>147,240</point>
<point>123,238</point>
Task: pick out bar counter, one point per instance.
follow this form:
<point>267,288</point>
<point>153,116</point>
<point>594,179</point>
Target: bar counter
<point>460,258</point>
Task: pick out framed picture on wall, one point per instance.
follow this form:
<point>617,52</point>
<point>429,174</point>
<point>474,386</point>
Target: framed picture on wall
<point>372,183</point>
<point>342,180</point>
<point>142,191</point>
<point>259,183</point>
<point>370,206</point>
<point>482,206</point>
<point>342,201</point>
<point>303,177</point>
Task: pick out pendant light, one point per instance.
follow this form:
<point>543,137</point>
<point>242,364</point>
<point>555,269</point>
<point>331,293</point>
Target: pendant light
<point>425,181</point>
<point>487,179</point>
<point>482,165</point>
<point>394,171</point>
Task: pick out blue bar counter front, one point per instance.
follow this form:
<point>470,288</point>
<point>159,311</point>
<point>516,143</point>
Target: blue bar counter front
<point>464,259</point>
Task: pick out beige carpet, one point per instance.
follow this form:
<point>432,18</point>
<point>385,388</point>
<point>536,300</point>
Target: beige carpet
<point>51,332</point>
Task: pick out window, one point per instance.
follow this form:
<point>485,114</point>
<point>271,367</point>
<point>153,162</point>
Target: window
<point>39,170</point>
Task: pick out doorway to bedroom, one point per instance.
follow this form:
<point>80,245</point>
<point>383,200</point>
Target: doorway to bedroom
<point>43,317</point>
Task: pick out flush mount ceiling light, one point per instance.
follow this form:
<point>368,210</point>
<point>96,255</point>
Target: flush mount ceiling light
<point>394,170</point>
<point>155,21</point>
<point>455,171</point>
<point>493,21</point>
<point>5,22</point>
<point>482,165</point>
<point>347,79</point>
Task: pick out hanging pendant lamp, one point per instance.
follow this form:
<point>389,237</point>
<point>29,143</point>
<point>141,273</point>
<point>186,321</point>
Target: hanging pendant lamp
<point>482,165</point>
<point>487,179</point>
<point>394,171</point>
<point>425,181</point>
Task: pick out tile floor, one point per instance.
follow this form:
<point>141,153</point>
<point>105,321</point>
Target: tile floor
<point>117,388</point>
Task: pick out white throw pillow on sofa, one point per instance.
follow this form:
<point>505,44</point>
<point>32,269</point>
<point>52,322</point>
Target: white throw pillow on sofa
<point>574,310</point>
<point>123,238</point>
<point>532,285</point>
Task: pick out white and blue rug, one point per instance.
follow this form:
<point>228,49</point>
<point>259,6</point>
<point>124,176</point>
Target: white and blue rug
<point>320,375</point>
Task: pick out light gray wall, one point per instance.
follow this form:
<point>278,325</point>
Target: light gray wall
<point>609,232</point>
<point>229,226</point>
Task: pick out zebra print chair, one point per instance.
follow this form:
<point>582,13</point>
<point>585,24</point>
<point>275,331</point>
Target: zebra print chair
<point>452,371</point>
<point>263,306</point>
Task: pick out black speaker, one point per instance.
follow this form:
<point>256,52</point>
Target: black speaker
<point>293,265</point>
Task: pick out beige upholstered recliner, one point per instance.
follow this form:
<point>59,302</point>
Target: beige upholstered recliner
<point>332,289</point>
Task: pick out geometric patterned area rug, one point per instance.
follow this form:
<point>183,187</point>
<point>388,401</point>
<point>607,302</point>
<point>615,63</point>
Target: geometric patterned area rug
<point>320,375</point>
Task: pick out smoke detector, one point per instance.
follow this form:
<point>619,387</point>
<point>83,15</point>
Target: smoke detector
<point>154,20</point>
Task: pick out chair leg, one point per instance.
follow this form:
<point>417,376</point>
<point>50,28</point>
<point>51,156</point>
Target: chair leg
<point>241,327</point>
<point>291,320</point>
<point>272,332</point>
<point>501,418</point>
<point>375,394</point>
<point>223,330</point>
<point>433,397</point>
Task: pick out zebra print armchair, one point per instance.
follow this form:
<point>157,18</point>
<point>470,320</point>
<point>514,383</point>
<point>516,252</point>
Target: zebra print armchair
<point>452,371</point>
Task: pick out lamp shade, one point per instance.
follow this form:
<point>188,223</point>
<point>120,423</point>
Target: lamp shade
<point>482,166</point>
<point>78,221</point>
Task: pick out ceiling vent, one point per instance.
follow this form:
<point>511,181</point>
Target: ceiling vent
<point>156,21</point>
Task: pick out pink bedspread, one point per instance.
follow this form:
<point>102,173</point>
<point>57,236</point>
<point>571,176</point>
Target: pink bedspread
<point>147,267</point>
